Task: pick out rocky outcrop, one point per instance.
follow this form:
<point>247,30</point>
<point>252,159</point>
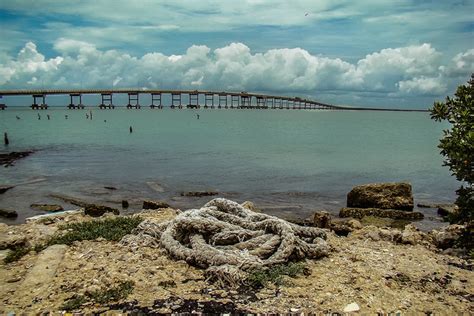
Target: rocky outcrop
<point>199,193</point>
<point>69,200</point>
<point>322,219</point>
<point>12,241</point>
<point>8,213</point>
<point>454,236</point>
<point>9,159</point>
<point>448,209</point>
<point>154,205</point>
<point>47,207</point>
<point>394,214</point>
<point>99,210</point>
<point>5,188</point>
<point>382,195</point>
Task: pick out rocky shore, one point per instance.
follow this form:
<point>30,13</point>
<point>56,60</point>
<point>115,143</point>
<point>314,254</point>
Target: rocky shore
<point>369,269</point>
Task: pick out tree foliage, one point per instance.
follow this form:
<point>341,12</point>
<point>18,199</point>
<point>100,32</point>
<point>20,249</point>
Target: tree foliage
<point>457,144</point>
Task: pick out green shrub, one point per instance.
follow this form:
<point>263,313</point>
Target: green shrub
<point>112,229</point>
<point>276,274</point>
<point>457,145</point>
<point>16,254</point>
<point>103,296</point>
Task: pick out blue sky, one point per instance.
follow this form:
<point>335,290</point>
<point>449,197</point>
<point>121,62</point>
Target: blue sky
<point>400,53</point>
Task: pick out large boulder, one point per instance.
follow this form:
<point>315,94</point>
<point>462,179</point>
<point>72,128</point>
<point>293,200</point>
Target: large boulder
<point>99,210</point>
<point>394,214</point>
<point>382,195</point>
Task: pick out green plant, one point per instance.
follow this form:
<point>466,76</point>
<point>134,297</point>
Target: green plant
<point>73,303</point>
<point>276,274</point>
<point>112,229</point>
<point>457,145</point>
<point>103,296</point>
<point>16,254</point>
<point>116,293</point>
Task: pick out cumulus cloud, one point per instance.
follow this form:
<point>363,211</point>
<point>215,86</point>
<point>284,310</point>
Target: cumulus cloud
<point>405,71</point>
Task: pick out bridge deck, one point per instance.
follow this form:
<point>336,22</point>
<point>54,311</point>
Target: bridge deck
<point>277,102</point>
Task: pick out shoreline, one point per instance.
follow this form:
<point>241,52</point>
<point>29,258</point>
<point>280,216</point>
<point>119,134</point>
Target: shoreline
<point>292,209</point>
<point>293,205</point>
<point>368,268</point>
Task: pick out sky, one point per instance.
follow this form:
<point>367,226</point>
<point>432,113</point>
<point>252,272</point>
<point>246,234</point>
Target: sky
<point>396,53</point>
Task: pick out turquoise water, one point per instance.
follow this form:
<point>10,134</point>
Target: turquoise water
<point>288,161</point>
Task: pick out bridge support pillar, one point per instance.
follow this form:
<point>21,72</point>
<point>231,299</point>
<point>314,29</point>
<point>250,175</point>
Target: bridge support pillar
<point>106,101</point>
<point>72,105</point>
<point>156,97</point>
<point>235,101</point>
<point>208,100</point>
<point>246,102</point>
<point>193,100</point>
<point>278,104</point>
<point>42,106</point>
<point>270,102</point>
<point>222,100</point>
<point>176,100</point>
<point>133,100</point>
<point>261,102</point>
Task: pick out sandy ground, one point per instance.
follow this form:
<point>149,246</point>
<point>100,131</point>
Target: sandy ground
<point>377,275</point>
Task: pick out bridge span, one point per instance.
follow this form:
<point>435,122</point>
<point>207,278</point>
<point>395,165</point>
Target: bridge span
<point>178,99</point>
<point>195,99</point>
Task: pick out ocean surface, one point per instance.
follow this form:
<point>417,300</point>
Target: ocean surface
<point>289,162</point>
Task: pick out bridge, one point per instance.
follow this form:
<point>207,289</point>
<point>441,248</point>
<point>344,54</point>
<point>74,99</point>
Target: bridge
<point>179,99</point>
<point>195,99</point>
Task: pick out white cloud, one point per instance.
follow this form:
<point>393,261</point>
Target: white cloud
<point>423,86</point>
<point>461,64</point>
<point>406,71</point>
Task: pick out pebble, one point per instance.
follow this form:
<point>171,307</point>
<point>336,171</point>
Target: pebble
<point>352,307</point>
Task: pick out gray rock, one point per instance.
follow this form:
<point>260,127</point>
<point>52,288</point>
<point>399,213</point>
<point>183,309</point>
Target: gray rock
<point>199,193</point>
<point>321,219</point>
<point>382,195</point>
<point>451,236</point>
<point>5,188</point>
<point>154,205</point>
<point>394,214</point>
<point>10,241</point>
<point>448,209</point>
<point>99,210</point>
<point>47,207</point>
<point>8,213</point>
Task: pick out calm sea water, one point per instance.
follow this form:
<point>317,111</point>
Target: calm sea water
<point>288,161</point>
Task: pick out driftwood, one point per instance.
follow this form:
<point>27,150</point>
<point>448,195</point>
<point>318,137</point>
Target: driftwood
<point>229,240</point>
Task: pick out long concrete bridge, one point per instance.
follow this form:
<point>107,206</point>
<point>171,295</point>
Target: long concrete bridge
<point>181,99</point>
